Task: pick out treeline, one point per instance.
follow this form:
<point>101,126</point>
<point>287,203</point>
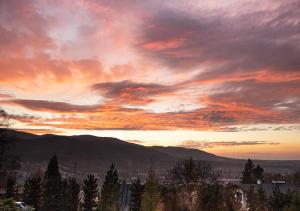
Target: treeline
<point>190,186</point>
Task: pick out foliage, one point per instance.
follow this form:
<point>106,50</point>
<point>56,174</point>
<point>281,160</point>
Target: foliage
<point>151,195</point>
<point>8,163</point>
<point>251,173</point>
<point>295,203</point>
<point>211,197</point>
<point>73,194</point>
<point>136,195</point>
<point>33,191</point>
<point>90,189</point>
<point>52,182</point>
<point>10,187</point>
<point>8,205</point>
<point>278,200</point>
<point>110,191</point>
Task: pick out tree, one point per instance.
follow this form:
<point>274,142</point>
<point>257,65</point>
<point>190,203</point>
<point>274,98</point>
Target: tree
<point>151,196</point>
<point>278,200</point>
<point>136,190</point>
<point>187,175</point>
<point>64,200</point>
<point>11,187</point>
<point>258,172</point>
<point>90,189</point>
<point>8,163</point>
<point>74,189</point>
<point>110,191</point>
<point>263,200</point>
<point>33,191</point>
<point>252,199</point>
<point>295,203</point>
<point>210,197</point>
<point>52,182</point>
<point>248,176</point>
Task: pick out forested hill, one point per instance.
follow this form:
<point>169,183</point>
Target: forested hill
<point>90,154</point>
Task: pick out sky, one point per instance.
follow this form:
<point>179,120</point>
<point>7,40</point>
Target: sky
<point>220,76</point>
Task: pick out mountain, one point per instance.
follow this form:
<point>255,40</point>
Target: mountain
<point>90,154</point>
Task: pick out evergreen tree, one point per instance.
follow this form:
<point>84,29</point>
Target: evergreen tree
<point>33,191</point>
<point>278,200</point>
<point>52,182</point>
<point>136,190</point>
<point>74,189</point>
<point>64,199</point>
<point>90,189</point>
<point>11,187</point>
<point>263,199</point>
<point>252,199</point>
<point>258,172</point>
<point>151,195</point>
<point>110,191</point>
<point>248,176</point>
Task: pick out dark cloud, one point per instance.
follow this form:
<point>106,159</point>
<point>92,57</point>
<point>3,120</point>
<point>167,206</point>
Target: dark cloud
<point>43,105</point>
<point>240,43</point>
<point>132,93</point>
<point>209,144</point>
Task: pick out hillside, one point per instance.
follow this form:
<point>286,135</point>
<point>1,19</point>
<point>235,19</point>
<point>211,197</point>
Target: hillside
<point>90,154</point>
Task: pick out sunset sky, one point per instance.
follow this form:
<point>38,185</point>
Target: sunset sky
<point>221,76</point>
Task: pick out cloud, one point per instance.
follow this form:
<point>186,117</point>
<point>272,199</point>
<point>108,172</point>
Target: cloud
<point>51,106</point>
<point>132,93</point>
<point>255,40</point>
<point>209,144</point>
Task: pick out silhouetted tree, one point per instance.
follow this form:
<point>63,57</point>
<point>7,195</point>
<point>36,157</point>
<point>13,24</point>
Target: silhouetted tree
<point>11,187</point>
<point>187,175</point>
<point>90,189</point>
<point>258,172</point>
<point>73,194</point>
<point>52,183</point>
<point>33,191</point>
<point>263,200</point>
<point>248,173</point>
<point>210,197</point>
<point>136,190</point>
<point>278,200</point>
<point>151,195</point>
<point>110,191</point>
<point>8,163</point>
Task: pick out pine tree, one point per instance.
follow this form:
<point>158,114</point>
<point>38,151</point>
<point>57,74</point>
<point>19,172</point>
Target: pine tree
<point>136,190</point>
<point>248,177</point>
<point>11,187</point>
<point>52,182</point>
<point>151,195</point>
<point>74,189</point>
<point>33,191</point>
<point>258,172</point>
<point>64,201</point>
<point>110,191</point>
<point>277,200</point>
<point>90,189</point>
<point>263,199</point>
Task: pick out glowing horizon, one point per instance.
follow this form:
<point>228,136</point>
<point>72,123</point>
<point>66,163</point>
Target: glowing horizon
<point>221,76</point>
